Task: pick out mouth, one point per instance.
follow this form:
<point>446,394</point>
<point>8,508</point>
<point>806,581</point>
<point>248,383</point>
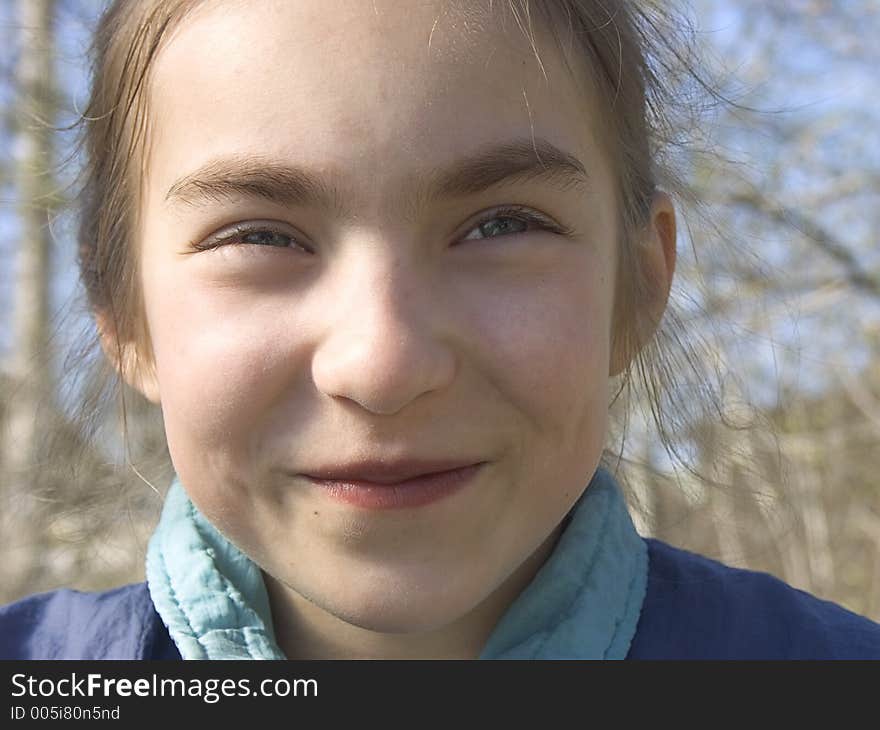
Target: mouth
<point>390,472</point>
<point>396,493</point>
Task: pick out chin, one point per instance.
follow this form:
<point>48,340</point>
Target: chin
<point>416,611</point>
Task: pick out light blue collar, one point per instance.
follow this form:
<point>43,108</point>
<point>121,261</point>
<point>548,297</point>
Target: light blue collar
<point>209,594</point>
<point>584,602</point>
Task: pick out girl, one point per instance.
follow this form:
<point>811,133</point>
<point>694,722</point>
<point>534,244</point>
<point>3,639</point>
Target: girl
<point>379,269</point>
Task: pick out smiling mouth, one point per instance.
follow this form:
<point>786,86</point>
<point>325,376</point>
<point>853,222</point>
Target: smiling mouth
<point>386,471</point>
<point>415,491</point>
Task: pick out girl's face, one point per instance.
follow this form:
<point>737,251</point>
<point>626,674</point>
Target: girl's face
<point>381,309</point>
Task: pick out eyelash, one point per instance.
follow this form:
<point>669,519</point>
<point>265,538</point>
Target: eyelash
<point>524,215</point>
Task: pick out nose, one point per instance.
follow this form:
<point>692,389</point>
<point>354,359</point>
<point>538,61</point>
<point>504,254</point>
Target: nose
<point>383,346</point>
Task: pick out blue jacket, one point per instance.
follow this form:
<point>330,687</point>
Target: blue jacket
<point>605,592</point>
<point>695,608</point>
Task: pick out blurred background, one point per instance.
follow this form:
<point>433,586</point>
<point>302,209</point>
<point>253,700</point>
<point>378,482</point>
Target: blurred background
<point>778,280</point>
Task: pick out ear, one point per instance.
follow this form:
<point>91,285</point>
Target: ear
<point>137,371</point>
<point>658,256</point>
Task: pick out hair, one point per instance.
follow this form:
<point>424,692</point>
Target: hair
<point>642,61</point>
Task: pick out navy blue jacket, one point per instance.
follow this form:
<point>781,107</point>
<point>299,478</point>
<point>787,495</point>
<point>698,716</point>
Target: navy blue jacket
<point>695,608</point>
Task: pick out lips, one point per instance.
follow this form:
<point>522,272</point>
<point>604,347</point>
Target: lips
<point>422,489</point>
<point>386,473</point>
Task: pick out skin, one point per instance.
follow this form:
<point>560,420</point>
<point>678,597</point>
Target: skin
<point>395,336</point>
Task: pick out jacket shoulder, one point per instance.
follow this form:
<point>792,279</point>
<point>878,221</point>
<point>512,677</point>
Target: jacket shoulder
<point>698,608</point>
<point>66,624</point>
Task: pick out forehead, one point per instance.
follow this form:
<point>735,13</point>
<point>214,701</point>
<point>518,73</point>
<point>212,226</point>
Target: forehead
<point>345,85</point>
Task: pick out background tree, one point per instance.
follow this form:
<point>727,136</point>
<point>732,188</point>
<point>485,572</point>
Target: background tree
<point>27,372</point>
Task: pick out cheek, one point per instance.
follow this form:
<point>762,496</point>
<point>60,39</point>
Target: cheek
<point>549,341</point>
<point>219,362</point>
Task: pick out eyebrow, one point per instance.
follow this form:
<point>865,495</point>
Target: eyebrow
<point>514,161</point>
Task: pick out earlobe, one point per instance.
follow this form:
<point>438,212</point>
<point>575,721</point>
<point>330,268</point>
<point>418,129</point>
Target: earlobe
<point>125,359</point>
<point>139,374</point>
<point>145,381</point>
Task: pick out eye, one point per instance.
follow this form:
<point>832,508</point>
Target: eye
<point>510,220</point>
<point>253,234</point>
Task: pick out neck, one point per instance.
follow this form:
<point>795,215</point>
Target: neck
<point>304,630</point>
